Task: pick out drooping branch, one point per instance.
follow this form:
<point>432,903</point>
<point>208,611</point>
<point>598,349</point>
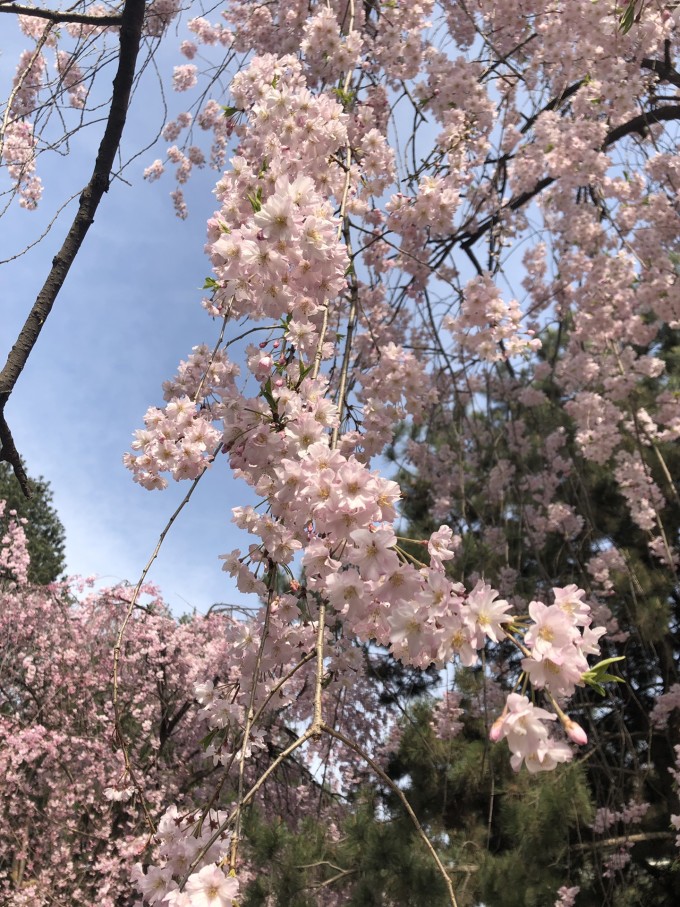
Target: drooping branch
<point>130,38</point>
<point>401,796</point>
<point>58,16</point>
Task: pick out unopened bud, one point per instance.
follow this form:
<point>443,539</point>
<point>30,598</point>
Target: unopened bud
<point>496,732</point>
<point>575,732</point>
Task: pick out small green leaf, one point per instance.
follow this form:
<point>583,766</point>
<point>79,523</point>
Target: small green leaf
<point>598,675</point>
<point>208,739</point>
<point>230,111</point>
<point>266,392</point>
<point>345,97</point>
<point>210,284</point>
<point>256,199</point>
<point>304,371</point>
<point>607,661</point>
<point>627,17</point>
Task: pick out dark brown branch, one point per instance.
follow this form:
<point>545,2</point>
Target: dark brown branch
<point>168,725</point>
<point>55,16</point>
<point>130,39</point>
<point>665,73</point>
<point>553,104</point>
<point>513,205</point>
<point>9,453</point>
<point>663,68</point>
<point>639,124</point>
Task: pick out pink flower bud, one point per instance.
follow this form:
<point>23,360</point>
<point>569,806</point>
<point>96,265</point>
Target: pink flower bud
<point>496,731</point>
<point>575,732</point>
<point>264,365</point>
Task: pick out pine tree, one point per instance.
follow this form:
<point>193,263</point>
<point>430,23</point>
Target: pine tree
<point>44,530</point>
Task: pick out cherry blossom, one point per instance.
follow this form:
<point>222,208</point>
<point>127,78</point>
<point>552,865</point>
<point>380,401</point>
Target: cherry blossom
<point>483,310</point>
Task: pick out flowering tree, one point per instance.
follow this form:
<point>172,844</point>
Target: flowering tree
<point>76,806</point>
<point>453,221</point>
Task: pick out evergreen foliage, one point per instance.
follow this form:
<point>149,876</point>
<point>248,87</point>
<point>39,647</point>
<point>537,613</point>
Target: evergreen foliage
<point>44,529</point>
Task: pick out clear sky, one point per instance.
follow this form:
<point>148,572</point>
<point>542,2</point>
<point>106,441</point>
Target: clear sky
<point>129,311</point>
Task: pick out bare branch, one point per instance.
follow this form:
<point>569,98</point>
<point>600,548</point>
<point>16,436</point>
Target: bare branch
<point>10,454</point>
<point>55,16</point>
<point>398,792</point>
<point>641,123</point>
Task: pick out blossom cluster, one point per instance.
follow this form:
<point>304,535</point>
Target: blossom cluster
<point>14,557</point>
<point>77,823</point>
<point>305,445</point>
<point>559,642</point>
<point>370,286</point>
<point>187,849</point>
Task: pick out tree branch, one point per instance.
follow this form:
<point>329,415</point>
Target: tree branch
<point>55,16</point>
<point>621,840</point>
<point>639,124</point>
<point>642,123</point>
<point>665,74</point>
<point>130,40</point>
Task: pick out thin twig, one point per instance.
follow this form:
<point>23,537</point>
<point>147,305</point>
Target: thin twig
<point>250,715</point>
<point>404,802</point>
<point>120,736</point>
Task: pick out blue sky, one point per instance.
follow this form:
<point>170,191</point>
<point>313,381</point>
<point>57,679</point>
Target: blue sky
<point>129,311</point>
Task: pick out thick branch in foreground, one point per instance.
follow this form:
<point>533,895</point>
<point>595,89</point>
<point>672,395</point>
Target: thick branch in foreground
<point>58,16</point>
<point>9,453</point>
<point>130,39</point>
